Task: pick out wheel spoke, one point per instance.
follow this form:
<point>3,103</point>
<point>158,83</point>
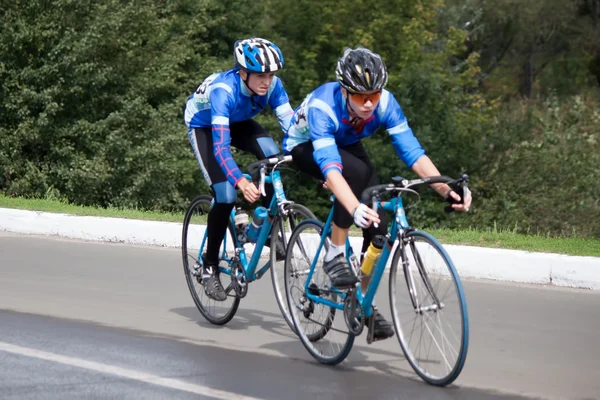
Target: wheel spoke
<point>194,240</point>
<point>325,337</point>
<point>433,337</point>
<point>283,229</point>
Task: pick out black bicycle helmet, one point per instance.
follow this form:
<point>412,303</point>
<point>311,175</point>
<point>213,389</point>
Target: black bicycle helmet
<point>361,70</point>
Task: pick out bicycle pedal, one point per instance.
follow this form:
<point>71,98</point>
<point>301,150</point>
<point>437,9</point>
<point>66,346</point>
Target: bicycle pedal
<point>371,328</point>
<point>350,291</point>
<point>374,339</point>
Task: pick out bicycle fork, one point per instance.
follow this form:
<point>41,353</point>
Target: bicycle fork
<point>410,280</point>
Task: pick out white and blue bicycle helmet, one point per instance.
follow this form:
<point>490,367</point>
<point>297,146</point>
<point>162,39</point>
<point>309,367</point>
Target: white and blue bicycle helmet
<point>257,55</point>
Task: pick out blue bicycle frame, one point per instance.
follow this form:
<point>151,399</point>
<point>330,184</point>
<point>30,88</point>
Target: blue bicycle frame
<point>250,267</point>
<point>394,205</point>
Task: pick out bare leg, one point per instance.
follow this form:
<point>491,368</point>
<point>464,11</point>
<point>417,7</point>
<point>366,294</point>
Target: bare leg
<point>338,235</point>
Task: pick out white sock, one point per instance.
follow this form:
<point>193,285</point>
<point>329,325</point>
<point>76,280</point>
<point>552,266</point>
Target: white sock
<point>334,251</point>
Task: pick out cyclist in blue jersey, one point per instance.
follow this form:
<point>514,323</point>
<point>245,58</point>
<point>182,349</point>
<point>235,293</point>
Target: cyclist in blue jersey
<point>325,141</point>
<point>219,115</point>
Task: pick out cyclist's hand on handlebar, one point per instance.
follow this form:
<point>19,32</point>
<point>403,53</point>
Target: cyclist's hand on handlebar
<point>463,206</point>
<point>364,216</point>
<point>249,189</point>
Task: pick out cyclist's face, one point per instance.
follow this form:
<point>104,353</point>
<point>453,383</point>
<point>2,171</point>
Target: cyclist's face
<point>259,83</point>
<point>364,103</point>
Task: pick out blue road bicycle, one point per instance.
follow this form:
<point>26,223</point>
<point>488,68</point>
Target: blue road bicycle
<point>428,304</point>
<point>235,265</point>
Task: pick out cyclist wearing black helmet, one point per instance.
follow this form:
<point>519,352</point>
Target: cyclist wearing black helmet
<point>325,141</point>
<point>219,114</point>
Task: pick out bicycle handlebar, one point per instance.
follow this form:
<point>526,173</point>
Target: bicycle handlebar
<point>255,166</point>
<point>260,166</point>
<point>399,184</point>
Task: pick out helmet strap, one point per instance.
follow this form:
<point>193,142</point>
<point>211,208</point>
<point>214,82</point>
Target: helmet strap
<point>252,92</point>
<point>349,103</point>
<point>356,120</point>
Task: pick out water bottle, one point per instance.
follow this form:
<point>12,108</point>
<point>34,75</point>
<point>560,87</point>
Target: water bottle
<point>241,223</point>
<point>260,213</point>
<point>372,255</point>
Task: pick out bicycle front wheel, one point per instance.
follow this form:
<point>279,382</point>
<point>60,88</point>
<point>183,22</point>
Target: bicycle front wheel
<point>325,337</point>
<point>429,309</point>
<point>192,247</point>
<point>281,232</point>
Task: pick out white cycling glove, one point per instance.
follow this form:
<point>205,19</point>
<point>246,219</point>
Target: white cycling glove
<point>360,216</point>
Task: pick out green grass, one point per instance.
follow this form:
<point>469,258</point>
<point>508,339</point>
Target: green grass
<point>56,206</point>
<point>506,239</point>
<point>511,240</point>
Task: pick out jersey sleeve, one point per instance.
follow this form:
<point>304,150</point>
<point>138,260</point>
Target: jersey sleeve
<point>322,129</point>
<point>280,103</point>
<point>221,104</point>
<point>404,141</point>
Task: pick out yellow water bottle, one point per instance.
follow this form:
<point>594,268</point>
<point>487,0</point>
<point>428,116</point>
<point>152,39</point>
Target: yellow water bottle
<point>372,254</point>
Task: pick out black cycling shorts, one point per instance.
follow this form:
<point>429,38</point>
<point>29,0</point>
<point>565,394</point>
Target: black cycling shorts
<point>356,169</point>
<point>247,136</point>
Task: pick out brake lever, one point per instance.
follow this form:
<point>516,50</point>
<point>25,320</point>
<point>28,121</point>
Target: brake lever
<point>262,180</point>
<point>374,202</point>
<point>463,182</point>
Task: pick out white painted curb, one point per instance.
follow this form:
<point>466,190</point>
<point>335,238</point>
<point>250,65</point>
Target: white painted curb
<point>471,262</point>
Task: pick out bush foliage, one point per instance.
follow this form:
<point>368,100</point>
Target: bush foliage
<point>92,96</point>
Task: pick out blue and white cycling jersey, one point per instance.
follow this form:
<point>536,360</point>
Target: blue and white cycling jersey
<point>323,119</point>
<point>223,99</point>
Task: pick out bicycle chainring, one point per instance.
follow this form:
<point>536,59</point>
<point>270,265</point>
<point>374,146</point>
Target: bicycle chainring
<point>238,278</point>
<point>354,323</point>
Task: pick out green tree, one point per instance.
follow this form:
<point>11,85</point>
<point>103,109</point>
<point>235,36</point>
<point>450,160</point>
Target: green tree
<point>530,46</point>
<point>438,95</point>
<point>92,96</point>
<point>544,160</point>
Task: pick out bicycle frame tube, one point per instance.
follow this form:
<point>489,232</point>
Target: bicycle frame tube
<point>319,299</point>
<point>265,230</point>
<point>326,229</point>
<point>199,258</point>
<point>205,238</point>
<point>236,244</point>
<point>399,222</point>
<point>394,205</point>
<point>275,178</point>
<point>250,267</point>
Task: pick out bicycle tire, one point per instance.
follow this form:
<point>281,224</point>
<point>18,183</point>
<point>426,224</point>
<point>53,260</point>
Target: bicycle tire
<point>277,267</point>
<point>425,277</point>
<point>311,340</point>
<point>191,279</point>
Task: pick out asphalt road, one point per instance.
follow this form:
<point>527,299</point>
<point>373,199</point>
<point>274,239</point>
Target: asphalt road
<point>96,320</point>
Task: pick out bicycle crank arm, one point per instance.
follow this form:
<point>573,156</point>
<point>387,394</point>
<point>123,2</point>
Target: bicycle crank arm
<point>371,329</point>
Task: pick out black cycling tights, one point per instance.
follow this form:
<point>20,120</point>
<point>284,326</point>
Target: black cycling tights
<point>218,219</point>
<point>359,174</point>
<point>248,136</point>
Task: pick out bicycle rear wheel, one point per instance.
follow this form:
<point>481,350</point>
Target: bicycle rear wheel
<point>192,247</point>
<point>281,232</point>
<point>325,337</point>
<point>429,309</point>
